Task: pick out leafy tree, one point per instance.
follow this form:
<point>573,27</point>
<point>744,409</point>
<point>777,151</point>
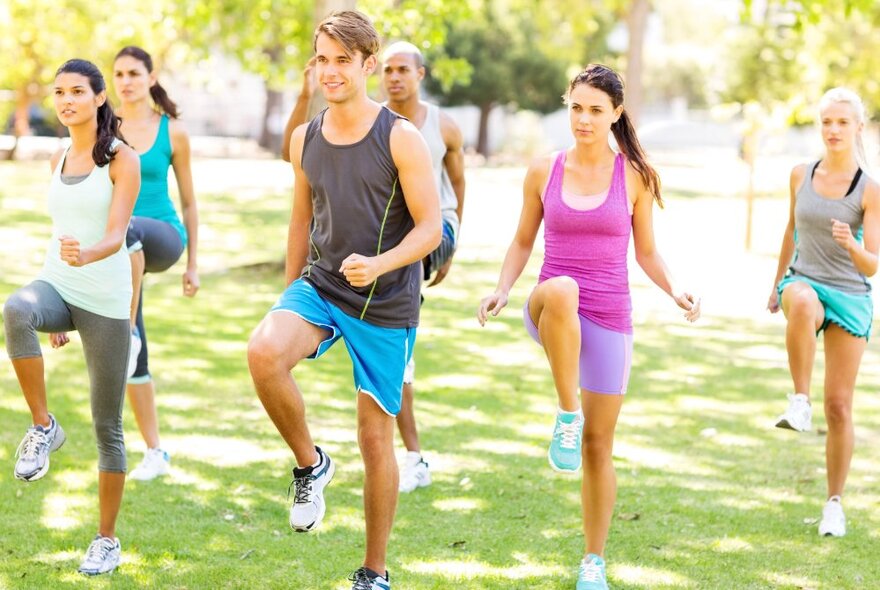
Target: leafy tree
<point>508,69</point>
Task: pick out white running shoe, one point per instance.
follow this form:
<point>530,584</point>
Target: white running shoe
<point>156,462</point>
<point>799,415</point>
<point>102,556</point>
<point>308,507</point>
<point>833,522</point>
<point>415,473</point>
<point>33,451</point>
<point>133,352</point>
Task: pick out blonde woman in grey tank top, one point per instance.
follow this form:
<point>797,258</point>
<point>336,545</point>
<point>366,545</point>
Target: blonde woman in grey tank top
<point>829,250</point>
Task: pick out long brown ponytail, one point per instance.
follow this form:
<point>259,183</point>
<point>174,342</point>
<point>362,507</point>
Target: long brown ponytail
<point>608,81</point>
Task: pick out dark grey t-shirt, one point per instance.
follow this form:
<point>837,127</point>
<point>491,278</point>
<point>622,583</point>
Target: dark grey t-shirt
<point>358,208</point>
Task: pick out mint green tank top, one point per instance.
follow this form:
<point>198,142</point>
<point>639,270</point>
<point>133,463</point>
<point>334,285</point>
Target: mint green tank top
<point>81,210</point>
<point>154,201</point>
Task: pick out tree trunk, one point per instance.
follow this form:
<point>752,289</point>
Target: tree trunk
<point>21,125</point>
<point>636,23</point>
<point>270,136</point>
<point>323,8</point>
<point>483,135</point>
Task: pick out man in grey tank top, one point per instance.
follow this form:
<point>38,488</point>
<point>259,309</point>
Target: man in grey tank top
<point>402,73</point>
<point>365,213</point>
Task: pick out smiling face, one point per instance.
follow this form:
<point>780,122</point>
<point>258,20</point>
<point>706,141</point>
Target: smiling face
<point>341,76</point>
<point>840,126</point>
<point>131,80</point>
<point>591,114</point>
<point>401,76</point>
<point>75,101</point>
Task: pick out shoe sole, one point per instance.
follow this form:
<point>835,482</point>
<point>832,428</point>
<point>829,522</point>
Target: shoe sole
<point>91,573</point>
<point>786,425</point>
<point>323,508</point>
<point>39,474</point>
<point>559,469</point>
<point>423,482</point>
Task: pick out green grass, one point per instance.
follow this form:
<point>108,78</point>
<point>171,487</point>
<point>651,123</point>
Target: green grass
<point>696,508</point>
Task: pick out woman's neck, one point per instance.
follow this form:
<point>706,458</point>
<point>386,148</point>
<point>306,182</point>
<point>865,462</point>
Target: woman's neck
<point>593,154</point>
<point>83,137</point>
<point>136,111</point>
<point>844,161</point>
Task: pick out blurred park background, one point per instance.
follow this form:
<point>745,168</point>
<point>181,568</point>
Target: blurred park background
<point>711,496</point>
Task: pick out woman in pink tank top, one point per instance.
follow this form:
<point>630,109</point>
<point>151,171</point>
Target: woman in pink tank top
<point>590,200</point>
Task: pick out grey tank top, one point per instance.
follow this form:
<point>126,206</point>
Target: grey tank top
<point>434,138</point>
<point>817,256</point>
<point>358,208</point>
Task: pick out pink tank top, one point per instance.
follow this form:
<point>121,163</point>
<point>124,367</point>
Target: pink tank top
<point>591,247</point>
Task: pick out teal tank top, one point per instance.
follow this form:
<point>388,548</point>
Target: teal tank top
<point>154,201</point>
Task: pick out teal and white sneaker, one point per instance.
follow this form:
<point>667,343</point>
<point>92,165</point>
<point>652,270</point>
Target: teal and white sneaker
<point>156,462</point>
<point>33,452</point>
<point>364,578</point>
<point>565,446</point>
<point>591,573</point>
<point>308,507</point>
<point>102,556</point>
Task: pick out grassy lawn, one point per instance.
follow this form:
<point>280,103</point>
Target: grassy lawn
<point>710,496</point>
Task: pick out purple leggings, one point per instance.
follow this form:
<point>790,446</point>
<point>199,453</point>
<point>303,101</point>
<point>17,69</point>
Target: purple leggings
<point>606,355</point>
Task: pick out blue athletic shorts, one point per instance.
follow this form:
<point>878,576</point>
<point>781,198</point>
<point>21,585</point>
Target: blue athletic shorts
<point>378,355</point>
<point>854,313</point>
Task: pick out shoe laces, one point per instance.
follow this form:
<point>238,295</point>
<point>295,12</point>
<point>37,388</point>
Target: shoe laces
<point>568,434</point>
<point>99,548</point>
<point>590,571</point>
<point>302,489</point>
<point>361,579</point>
<point>32,444</point>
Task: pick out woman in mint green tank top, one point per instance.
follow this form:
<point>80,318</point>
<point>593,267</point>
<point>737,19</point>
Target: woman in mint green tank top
<point>829,250</point>
<point>156,236</point>
<point>84,285</point>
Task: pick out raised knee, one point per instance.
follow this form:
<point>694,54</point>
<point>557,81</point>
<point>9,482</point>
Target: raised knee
<point>16,310</point>
<point>803,302</point>
<point>263,356</point>
<point>561,292</point>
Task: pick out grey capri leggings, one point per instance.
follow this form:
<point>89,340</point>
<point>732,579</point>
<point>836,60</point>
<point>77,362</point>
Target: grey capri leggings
<point>162,247</point>
<point>39,307</point>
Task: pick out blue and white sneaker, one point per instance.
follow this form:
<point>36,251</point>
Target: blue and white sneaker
<point>33,452</point>
<point>156,462</point>
<point>102,556</point>
<point>591,573</point>
<point>308,506</point>
<point>366,579</point>
<point>565,446</point>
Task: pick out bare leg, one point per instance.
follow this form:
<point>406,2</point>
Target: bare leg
<point>599,485</point>
<point>138,264</point>
<point>553,307</point>
<point>376,440</point>
<point>805,315</point>
<point>843,354</point>
<point>110,488</point>
<point>278,343</point>
<point>142,397</point>
<point>406,420</point>
<point>32,380</point>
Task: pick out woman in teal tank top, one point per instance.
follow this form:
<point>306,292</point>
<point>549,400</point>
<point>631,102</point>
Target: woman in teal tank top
<point>156,236</point>
<point>829,249</point>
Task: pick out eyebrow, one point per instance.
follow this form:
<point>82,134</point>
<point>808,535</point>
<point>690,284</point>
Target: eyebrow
<point>73,87</point>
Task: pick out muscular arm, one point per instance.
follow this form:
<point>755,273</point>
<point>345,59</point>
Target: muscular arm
<point>301,211</point>
<point>454,159</point>
<point>300,112</point>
